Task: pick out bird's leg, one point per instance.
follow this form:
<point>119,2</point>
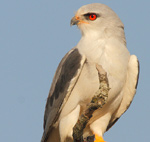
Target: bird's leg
<point>98,138</point>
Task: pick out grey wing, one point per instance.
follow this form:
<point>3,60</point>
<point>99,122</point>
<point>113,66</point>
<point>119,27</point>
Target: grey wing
<point>64,80</point>
<point>129,89</point>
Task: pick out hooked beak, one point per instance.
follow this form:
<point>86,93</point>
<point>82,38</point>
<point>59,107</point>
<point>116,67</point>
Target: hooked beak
<point>76,20</point>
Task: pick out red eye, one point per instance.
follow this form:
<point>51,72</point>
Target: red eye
<point>92,17</point>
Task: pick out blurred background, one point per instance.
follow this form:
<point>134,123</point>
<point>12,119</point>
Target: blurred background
<point>34,36</point>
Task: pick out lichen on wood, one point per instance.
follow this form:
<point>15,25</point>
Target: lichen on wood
<point>97,102</point>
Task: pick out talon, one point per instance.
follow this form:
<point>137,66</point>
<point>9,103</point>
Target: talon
<point>99,138</point>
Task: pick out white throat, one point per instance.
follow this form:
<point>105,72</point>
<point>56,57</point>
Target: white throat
<point>92,46</point>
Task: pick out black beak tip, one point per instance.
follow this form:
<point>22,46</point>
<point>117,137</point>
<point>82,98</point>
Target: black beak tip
<point>74,21</point>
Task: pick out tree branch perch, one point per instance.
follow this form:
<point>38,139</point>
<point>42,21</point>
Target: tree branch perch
<point>97,102</point>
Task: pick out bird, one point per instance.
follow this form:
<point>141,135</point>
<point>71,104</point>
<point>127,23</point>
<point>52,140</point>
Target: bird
<point>76,79</point>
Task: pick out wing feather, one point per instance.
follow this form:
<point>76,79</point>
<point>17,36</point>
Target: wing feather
<point>128,91</point>
<point>64,80</point>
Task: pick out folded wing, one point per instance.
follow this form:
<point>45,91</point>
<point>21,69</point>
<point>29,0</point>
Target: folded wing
<point>64,81</point>
<point>129,89</point>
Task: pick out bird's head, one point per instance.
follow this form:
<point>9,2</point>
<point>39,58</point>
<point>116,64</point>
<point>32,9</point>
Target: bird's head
<point>96,18</point>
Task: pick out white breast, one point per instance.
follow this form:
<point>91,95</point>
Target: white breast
<point>113,56</point>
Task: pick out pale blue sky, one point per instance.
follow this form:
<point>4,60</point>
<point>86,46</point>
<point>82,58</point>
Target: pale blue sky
<point>34,36</point>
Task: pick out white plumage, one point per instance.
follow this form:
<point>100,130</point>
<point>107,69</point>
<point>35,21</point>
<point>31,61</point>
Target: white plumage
<point>103,42</point>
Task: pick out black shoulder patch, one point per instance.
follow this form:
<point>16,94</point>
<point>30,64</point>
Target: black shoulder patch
<point>68,71</point>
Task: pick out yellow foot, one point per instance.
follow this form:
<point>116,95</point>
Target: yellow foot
<point>98,139</point>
